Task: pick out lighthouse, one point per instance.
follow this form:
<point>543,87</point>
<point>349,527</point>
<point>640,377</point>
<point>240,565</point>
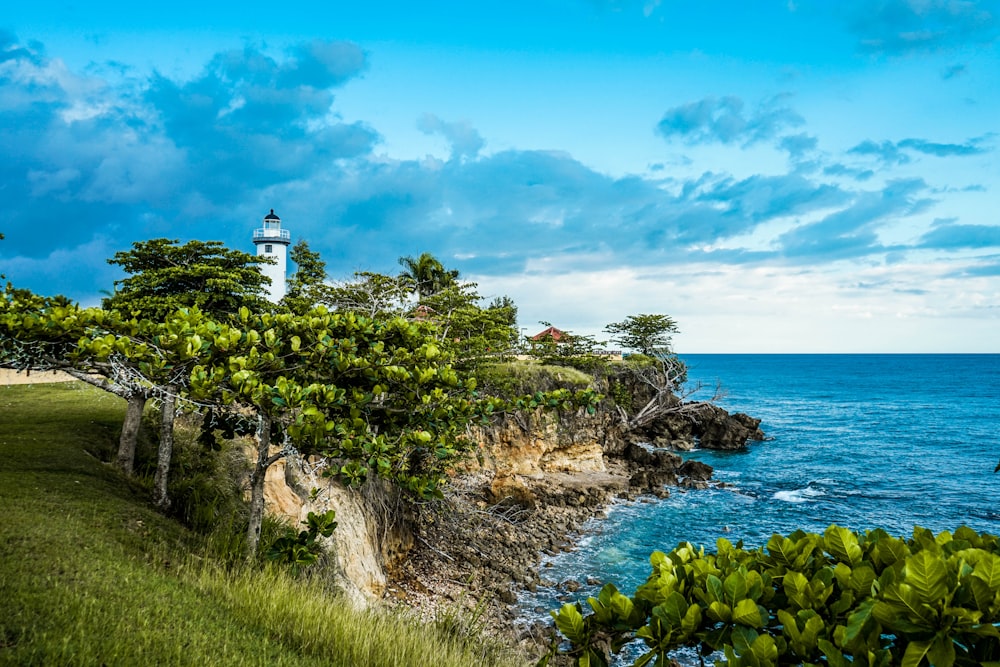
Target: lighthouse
<point>272,241</point>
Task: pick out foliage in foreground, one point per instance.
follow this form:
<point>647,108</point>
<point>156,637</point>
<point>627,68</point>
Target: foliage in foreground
<point>842,599</point>
<point>91,575</point>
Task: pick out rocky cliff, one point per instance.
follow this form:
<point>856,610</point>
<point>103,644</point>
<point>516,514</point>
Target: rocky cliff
<point>529,482</point>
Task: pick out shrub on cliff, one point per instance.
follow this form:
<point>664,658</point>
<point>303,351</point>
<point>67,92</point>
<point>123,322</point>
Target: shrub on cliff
<point>514,378</point>
<point>842,599</point>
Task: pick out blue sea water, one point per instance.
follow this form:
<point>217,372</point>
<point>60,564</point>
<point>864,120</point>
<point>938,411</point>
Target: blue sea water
<point>863,441</point>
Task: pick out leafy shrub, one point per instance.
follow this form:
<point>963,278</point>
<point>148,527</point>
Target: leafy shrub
<point>304,548</point>
<point>206,478</point>
<point>842,599</point>
<point>526,377</point>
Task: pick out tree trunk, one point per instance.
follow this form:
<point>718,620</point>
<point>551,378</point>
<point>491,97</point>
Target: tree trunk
<point>160,499</point>
<point>257,484</point>
<point>130,432</point>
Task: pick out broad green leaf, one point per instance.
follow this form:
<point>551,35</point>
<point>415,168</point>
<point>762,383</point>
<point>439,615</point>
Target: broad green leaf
<point>692,619</point>
<point>843,545</point>
<point>988,570</point>
<point>735,586</point>
<point>915,652</point>
<point>569,621</point>
<point>747,613</point>
<point>621,606</point>
<point>764,649</point>
<point>796,586</point>
<point>862,579</point>
<point>857,621</point>
<point>720,611</point>
<point>713,586</point>
<point>927,573</point>
<point>833,655</point>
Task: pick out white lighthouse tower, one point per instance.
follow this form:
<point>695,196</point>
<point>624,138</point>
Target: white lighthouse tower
<point>272,241</point>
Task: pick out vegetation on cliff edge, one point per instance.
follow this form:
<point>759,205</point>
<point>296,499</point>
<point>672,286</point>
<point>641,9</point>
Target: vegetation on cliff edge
<point>91,575</point>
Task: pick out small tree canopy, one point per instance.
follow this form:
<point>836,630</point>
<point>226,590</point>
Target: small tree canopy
<point>307,286</point>
<point>426,274</point>
<point>207,274</point>
<point>648,334</point>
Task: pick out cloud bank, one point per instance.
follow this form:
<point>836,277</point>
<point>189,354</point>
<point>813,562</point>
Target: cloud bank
<point>93,164</point>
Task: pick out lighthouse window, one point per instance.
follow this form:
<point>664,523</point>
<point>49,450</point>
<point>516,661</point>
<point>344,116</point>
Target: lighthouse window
<point>268,248</point>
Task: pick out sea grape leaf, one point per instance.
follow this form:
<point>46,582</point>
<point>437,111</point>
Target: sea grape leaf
<point>988,570</point>
<point>892,616</point>
<point>796,586</point>
<point>713,586</point>
<point>742,639</point>
<point>747,613</point>
<point>735,586</point>
<point>928,575</point>
<point>692,619</point>
<point>833,655</point>
<point>915,652</point>
<point>755,585</point>
<point>569,621</point>
<point>764,649</point>
<point>720,611</point>
<point>782,549</point>
<point>890,550</point>
<point>673,609</point>
<point>842,572</point>
<point>622,607</point>
<point>789,626</point>
<point>862,579</point>
<point>843,545</point>
<point>857,621</point>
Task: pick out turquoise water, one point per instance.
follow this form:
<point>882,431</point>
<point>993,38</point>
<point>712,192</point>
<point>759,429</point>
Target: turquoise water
<point>863,441</point>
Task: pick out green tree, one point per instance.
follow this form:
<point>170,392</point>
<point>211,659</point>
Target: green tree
<point>131,358</point>
<point>473,334</point>
<point>372,397</point>
<point>370,294</point>
<point>307,287</point>
<point>426,275</point>
<point>166,276</point>
<point>649,334</point>
<point>2,276</point>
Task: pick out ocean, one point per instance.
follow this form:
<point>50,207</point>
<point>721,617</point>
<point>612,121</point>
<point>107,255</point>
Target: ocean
<point>863,441</point>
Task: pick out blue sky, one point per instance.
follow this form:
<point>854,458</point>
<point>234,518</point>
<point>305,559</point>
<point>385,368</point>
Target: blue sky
<point>798,176</point>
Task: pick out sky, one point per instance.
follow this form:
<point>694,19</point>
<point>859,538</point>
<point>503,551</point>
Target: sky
<point>778,177</point>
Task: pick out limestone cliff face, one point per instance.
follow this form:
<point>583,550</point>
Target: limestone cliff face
<point>522,450</point>
<point>371,534</point>
<point>555,459</point>
<point>543,442</point>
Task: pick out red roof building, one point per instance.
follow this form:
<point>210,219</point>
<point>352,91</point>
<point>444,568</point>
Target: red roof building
<point>553,333</point>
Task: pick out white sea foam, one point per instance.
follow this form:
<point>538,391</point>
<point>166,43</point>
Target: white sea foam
<point>805,495</point>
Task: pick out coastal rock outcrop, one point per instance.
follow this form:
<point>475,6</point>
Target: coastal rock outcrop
<point>704,425</point>
<point>531,481</point>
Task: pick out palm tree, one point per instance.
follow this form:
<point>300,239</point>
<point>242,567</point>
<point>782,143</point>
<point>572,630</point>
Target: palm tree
<point>426,274</point>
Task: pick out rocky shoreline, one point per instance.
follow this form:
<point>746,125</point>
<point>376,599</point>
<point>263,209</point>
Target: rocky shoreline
<point>486,542</point>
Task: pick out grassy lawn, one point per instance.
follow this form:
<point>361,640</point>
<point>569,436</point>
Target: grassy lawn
<point>91,575</point>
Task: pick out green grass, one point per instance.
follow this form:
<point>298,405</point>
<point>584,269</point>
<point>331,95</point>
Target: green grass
<point>529,376</point>
<point>91,575</point>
